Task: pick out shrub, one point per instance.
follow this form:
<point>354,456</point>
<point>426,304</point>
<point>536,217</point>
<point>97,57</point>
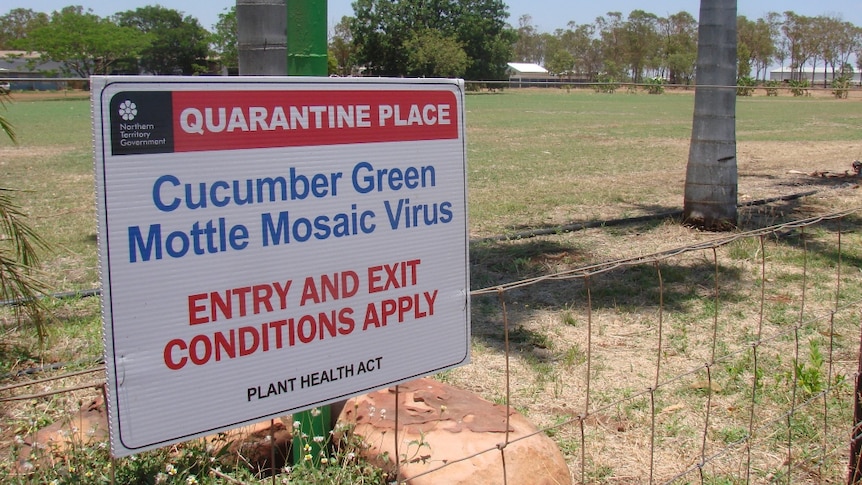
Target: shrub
<point>841,87</point>
<point>771,87</point>
<point>745,86</point>
<point>800,88</point>
<point>606,84</point>
<point>655,85</point>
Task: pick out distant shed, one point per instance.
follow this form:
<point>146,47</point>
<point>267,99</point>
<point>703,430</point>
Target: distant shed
<point>528,73</point>
<point>818,77</point>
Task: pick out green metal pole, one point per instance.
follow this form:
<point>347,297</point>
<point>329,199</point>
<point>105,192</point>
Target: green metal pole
<point>306,38</point>
<point>307,56</point>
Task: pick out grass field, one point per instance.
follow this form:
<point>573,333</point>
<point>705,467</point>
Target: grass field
<point>549,157</point>
<point>537,158</point>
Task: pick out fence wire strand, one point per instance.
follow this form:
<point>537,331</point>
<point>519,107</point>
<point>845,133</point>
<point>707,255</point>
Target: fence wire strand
<point>757,428</point>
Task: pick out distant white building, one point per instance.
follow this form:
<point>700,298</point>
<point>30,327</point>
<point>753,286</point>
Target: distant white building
<point>528,72</point>
<point>818,76</point>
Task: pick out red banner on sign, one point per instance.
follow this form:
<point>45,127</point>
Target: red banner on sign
<point>230,120</point>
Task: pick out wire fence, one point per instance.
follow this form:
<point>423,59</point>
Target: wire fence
<point>63,84</point>
<point>743,372</point>
<point>735,360</point>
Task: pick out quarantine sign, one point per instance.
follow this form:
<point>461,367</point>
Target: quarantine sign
<point>268,245</point>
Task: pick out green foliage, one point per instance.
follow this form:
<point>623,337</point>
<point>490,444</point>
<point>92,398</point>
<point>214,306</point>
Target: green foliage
<point>641,41</point>
<point>755,45</point>
<point>575,355</point>
<point>745,86</point>
<point>809,375</point>
<point>733,434</point>
<point>224,38</point>
<point>381,30</point>
<point>562,63</point>
<point>197,462</point>
<point>681,47</point>
<point>339,460</point>
<point>606,84</point>
<point>177,44</point>
<point>85,43</point>
<point>655,85</point>
<point>800,88</point>
<point>331,63</point>
<point>194,463</point>
<point>19,245</point>
<point>341,48</point>
<point>771,87</point>
<point>841,87</point>
<point>16,25</point>
<point>18,262</point>
<point>431,54</point>
<point>5,125</point>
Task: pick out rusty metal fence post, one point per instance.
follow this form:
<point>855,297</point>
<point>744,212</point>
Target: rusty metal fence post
<point>855,473</point>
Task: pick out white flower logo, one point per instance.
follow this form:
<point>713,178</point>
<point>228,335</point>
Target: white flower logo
<point>128,110</point>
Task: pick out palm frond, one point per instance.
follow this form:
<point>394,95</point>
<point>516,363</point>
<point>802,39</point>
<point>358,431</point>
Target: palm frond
<point>5,125</point>
<point>19,261</point>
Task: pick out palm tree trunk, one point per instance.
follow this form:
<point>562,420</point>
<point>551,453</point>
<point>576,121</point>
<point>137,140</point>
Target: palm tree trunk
<point>711,176</point>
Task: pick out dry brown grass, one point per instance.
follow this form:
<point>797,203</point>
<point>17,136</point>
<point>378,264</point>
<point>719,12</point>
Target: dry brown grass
<point>552,329</point>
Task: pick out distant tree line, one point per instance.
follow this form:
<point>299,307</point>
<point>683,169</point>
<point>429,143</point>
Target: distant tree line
<point>387,38</point>
<point>152,39</point>
<point>645,45</point>
<point>451,38</point>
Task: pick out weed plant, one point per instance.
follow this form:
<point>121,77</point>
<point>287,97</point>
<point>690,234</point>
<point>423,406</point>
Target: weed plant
<point>338,461</point>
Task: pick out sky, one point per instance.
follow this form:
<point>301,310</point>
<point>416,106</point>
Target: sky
<point>547,15</point>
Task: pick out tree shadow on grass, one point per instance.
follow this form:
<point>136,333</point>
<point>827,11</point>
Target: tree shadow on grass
<point>822,180</point>
<point>674,285</point>
<point>820,243</point>
<point>652,215</point>
<point>683,284</point>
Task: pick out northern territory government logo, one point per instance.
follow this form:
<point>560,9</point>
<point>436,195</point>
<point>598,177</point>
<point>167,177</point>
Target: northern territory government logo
<point>141,123</point>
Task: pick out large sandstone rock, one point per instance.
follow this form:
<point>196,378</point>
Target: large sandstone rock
<point>440,424</point>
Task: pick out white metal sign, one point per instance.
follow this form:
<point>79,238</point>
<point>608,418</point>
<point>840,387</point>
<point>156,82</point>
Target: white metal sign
<point>268,245</point>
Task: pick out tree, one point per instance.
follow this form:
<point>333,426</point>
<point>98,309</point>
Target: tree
<point>580,41</point>
<point>837,41</point>
<point>224,39</point>
<point>711,173</point>
<point>83,42</point>
<point>16,25</point>
<point>797,32</point>
<point>857,47</point>
<point>755,46</point>
<point>679,46</point>
<point>562,63</point>
<point>640,42</point>
<point>177,44</point>
<point>433,55</point>
<point>528,46</point>
<point>342,48</point>
<point>612,34</point>
<point>381,28</point>
<point>848,41</point>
